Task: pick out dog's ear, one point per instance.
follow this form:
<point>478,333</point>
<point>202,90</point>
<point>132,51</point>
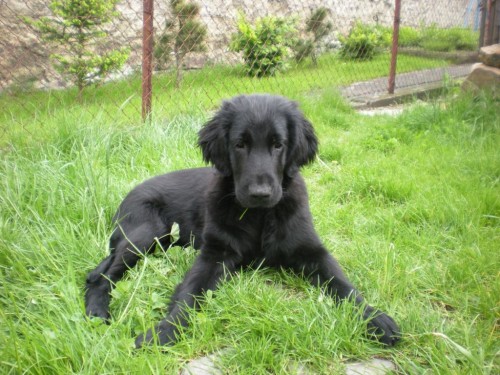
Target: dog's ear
<point>303,143</point>
<point>213,139</point>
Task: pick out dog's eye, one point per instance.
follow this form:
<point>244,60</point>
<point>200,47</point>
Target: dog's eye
<point>278,145</point>
<point>240,144</point>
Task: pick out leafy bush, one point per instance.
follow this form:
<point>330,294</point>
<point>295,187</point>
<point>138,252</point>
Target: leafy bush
<point>409,37</point>
<point>362,42</point>
<point>455,38</point>
<point>384,34</point>
<point>465,39</point>
<point>265,45</point>
<point>433,38</point>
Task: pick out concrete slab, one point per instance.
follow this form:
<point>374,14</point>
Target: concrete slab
<point>202,366</point>
<point>375,366</point>
<point>392,110</point>
<point>418,84</point>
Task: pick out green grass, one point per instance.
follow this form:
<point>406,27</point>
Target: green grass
<point>23,114</point>
<point>409,205</point>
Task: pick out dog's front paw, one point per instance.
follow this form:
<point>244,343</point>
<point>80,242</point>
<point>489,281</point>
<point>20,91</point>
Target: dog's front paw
<point>165,333</point>
<point>98,311</point>
<point>383,327</point>
<point>97,300</point>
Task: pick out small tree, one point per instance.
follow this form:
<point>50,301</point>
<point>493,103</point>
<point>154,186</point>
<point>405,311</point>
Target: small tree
<point>318,26</point>
<point>182,35</point>
<point>75,30</point>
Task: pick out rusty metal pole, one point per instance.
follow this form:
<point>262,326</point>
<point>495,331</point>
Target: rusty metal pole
<point>394,51</point>
<point>147,57</point>
<point>482,29</point>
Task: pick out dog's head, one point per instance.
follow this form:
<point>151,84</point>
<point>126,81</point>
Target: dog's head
<point>258,140</point>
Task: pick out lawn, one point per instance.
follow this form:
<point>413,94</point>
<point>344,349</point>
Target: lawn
<point>409,205</point>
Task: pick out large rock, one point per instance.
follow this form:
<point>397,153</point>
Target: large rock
<point>483,77</point>
<point>490,55</point>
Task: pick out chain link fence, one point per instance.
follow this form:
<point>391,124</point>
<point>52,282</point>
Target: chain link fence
<point>205,50</point>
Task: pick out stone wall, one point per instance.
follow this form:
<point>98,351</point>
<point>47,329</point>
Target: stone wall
<point>24,59</point>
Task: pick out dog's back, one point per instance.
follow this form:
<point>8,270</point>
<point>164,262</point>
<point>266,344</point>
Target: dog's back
<point>176,197</point>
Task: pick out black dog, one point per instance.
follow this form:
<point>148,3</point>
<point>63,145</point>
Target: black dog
<point>252,209</point>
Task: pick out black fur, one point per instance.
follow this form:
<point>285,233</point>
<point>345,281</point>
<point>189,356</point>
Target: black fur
<point>252,208</point>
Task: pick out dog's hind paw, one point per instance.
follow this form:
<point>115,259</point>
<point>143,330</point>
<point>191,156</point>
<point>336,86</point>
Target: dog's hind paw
<point>163,334</point>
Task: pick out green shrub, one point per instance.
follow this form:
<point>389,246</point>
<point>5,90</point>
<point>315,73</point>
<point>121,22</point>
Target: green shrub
<point>409,37</point>
<point>384,34</point>
<point>433,38</point>
<point>362,42</point>
<point>265,45</point>
<point>464,39</point>
<point>452,39</point>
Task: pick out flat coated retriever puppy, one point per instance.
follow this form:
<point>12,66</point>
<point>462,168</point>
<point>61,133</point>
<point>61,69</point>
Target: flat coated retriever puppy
<point>251,209</point>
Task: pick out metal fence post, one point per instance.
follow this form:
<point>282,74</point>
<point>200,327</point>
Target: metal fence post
<point>489,23</point>
<point>147,57</point>
<point>394,52</point>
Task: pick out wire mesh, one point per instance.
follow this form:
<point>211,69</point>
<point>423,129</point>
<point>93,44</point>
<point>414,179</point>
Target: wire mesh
<point>196,63</point>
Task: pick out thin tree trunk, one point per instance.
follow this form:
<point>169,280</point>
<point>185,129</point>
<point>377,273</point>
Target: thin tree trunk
<point>178,68</point>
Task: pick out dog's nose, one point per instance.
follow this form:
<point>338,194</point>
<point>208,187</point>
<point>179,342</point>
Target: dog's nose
<point>260,192</point>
